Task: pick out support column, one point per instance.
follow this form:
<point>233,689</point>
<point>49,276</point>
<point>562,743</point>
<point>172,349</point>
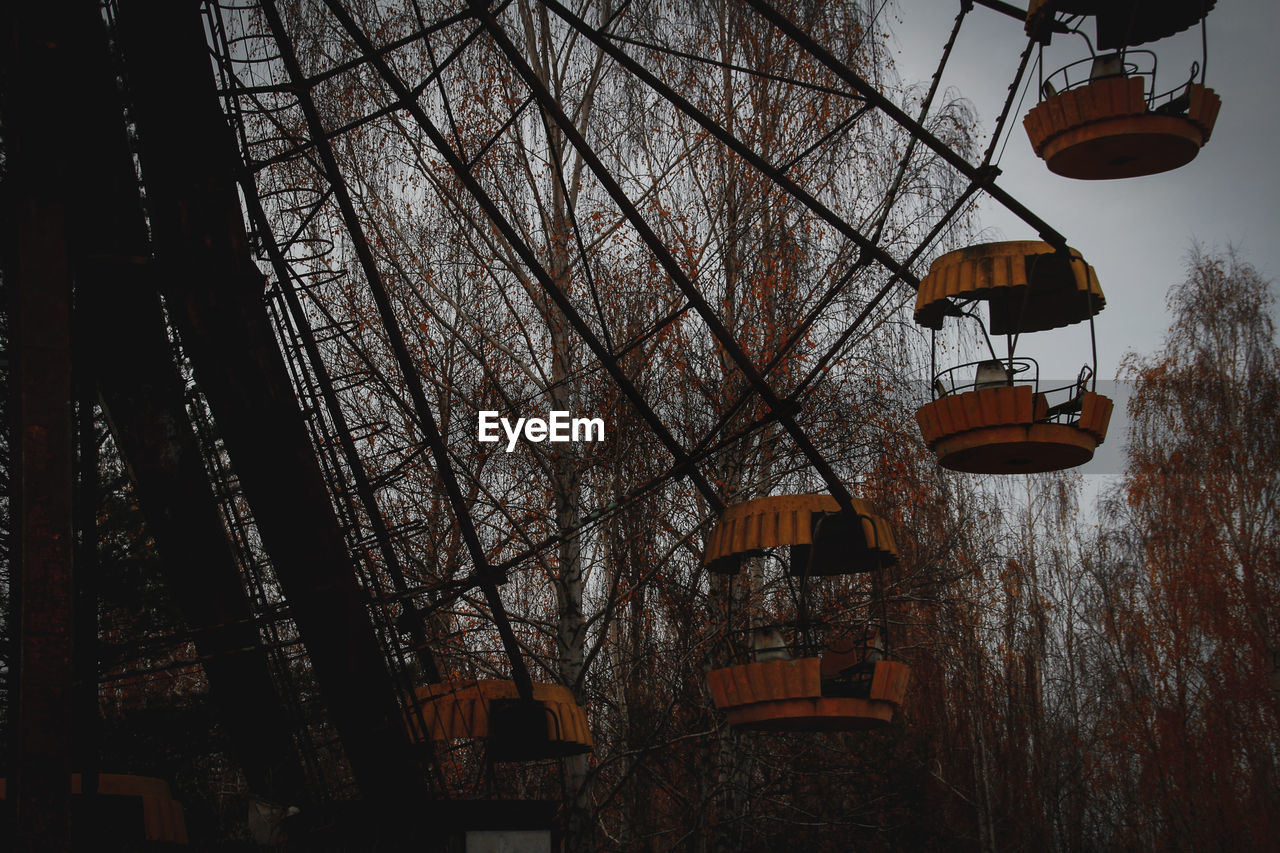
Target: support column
<point>125,349</point>
<point>214,293</point>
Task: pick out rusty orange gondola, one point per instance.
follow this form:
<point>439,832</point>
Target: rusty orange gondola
<point>792,695</point>
<point>1106,129</point>
<point>822,540</point>
<point>1111,121</point>
<point>843,684</point>
<point>1006,430</point>
<point>1027,286</point>
<point>553,725</point>
<point>1002,422</point>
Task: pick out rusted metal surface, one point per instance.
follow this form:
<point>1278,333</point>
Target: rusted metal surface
<point>43,591</point>
<point>214,293</point>
<point>1028,285</point>
<point>1120,23</point>
<point>787,695</point>
<point>464,709</point>
<point>864,541</point>
<point>1004,431</point>
<point>1104,130</point>
<point>125,799</point>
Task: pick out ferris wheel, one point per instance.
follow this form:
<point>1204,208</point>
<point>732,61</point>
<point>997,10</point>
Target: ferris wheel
<point>358,228</point>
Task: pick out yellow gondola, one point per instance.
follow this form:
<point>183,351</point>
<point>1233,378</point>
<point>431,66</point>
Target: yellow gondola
<point>1001,423</point>
<point>553,725</point>
<point>822,540</point>
<point>1114,122</point>
<point>848,685</point>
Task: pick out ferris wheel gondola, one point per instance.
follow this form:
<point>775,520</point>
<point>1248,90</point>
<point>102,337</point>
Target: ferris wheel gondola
<point>550,725</point>
<point>1103,116</point>
<point>1002,421</point>
<point>843,683</point>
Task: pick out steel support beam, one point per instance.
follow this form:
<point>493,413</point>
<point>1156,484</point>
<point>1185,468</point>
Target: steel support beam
<point>141,393</point>
<point>214,293</point>
<point>781,409</point>
<point>530,259</point>
<point>425,418</point>
<point>124,348</point>
<point>604,42</point>
<point>1003,8</point>
<point>983,176</point>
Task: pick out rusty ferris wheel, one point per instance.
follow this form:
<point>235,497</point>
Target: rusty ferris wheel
<point>201,258</point>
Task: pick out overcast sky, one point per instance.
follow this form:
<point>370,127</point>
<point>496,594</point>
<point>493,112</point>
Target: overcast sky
<point>1135,232</point>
